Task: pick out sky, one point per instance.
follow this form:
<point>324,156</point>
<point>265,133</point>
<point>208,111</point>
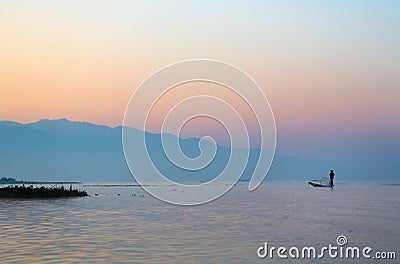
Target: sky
<point>330,69</point>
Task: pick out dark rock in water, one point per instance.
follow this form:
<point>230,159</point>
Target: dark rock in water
<point>16,191</point>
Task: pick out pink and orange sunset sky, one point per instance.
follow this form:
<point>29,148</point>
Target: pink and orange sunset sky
<point>324,65</point>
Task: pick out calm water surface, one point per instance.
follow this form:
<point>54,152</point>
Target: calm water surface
<point>111,228</point>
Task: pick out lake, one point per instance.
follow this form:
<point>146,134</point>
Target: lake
<point>134,227</point>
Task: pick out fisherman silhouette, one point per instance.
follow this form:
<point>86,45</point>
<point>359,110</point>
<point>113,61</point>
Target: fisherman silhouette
<point>331,176</point>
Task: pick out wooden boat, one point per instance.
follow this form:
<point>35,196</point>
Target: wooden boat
<point>313,184</point>
<point>323,182</point>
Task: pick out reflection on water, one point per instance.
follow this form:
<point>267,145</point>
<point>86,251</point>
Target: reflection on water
<point>133,228</point>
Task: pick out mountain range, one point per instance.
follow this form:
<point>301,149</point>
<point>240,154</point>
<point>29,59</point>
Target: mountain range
<point>64,150</point>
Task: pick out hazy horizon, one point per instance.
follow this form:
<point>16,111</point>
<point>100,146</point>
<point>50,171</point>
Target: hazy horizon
<point>86,151</point>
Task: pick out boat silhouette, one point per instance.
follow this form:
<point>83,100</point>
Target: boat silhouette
<point>323,182</point>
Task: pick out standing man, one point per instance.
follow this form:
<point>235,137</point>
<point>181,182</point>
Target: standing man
<point>331,176</point>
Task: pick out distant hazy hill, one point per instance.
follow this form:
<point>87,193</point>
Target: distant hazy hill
<point>62,150</point>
